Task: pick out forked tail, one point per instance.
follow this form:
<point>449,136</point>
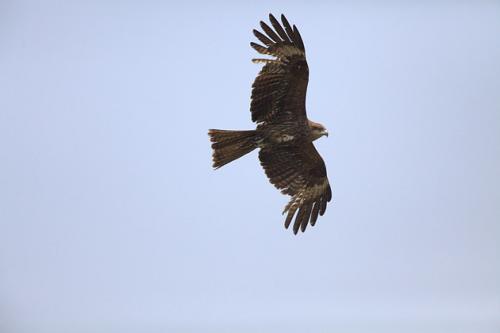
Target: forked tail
<point>231,145</point>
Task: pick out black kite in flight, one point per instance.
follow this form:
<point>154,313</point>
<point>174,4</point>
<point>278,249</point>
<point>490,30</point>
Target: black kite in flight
<point>283,134</point>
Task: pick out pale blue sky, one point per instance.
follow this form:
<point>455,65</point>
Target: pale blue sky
<point>112,220</point>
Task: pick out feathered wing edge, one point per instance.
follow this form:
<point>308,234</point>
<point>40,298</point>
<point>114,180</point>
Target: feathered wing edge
<point>283,42</point>
<point>310,202</point>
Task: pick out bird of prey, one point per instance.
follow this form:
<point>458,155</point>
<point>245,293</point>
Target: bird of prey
<point>283,134</point>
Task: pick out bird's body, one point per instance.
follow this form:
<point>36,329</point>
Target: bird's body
<point>284,134</point>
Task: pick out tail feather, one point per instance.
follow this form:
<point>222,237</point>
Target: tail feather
<point>230,145</point>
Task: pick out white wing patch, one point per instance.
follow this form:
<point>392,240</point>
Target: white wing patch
<point>285,138</point>
<point>306,194</point>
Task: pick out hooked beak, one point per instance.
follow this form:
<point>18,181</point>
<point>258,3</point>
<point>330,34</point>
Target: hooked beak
<point>325,133</point>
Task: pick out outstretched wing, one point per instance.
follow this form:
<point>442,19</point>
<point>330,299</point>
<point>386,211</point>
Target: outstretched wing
<point>298,171</point>
<point>279,91</point>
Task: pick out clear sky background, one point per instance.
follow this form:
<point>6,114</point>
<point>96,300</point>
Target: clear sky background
<point>112,219</point>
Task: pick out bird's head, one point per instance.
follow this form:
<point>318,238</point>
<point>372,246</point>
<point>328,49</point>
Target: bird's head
<point>317,130</point>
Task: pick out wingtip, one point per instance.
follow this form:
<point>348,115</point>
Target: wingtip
<point>254,45</point>
<point>284,20</point>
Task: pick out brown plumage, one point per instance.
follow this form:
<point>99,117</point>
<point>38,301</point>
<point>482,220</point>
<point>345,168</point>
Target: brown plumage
<point>283,134</point>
